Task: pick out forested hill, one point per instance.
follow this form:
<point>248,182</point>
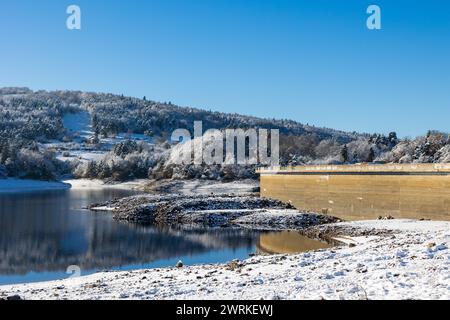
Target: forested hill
<point>35,143</point>
<point>116,113</point>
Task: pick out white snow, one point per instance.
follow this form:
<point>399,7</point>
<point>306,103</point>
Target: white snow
<point>103,208</point>
<point>412,264</point>
<point>84,155</point>
<point>203,187</point>
<point>237,187</point>
<point>137,184</point>
<point>12,185</point>
<point>79,127</point>
<point>17,185</point>
<point>79,122</point>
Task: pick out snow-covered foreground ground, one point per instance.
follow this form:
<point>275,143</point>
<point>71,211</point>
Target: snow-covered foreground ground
<point>17,185</point>
<point>411,263</point>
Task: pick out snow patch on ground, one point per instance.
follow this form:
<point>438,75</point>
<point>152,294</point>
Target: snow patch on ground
<point>79,123</point>
<point>412,264</point>
<point>205,187</point>
<point>281,219</point>
<point>137,184</point>
<point>80,130</point>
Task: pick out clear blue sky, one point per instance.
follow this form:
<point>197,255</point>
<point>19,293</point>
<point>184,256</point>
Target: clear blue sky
<point>313,61</point>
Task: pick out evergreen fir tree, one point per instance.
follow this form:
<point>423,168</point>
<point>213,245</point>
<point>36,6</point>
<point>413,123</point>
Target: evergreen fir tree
<point>344,154</point>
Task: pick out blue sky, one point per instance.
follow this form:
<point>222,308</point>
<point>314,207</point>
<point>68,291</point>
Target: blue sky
<point>312,61</point>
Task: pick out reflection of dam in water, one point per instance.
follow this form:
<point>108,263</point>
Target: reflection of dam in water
<point>287,242</point>
<point>364,191</point>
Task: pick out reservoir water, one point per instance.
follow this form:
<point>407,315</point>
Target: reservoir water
<point>42,234</point>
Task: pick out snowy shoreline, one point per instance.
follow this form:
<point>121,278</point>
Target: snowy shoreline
<point>12,185</point>
<point>387,259</point>
<point>9,186</point>
<point>138,184</point>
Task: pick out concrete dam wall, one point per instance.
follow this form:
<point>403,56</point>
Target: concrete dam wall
<point>358,192</point>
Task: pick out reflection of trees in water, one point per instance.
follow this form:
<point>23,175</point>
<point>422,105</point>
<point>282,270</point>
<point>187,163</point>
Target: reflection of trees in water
<point>219,238</point>
<point>105,249</point>
<point>38,235</point>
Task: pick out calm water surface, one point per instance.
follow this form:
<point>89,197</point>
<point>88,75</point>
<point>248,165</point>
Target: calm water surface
<point>42,234</point>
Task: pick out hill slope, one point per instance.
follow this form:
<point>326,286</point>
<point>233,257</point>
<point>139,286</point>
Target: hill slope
<point>35,133</point>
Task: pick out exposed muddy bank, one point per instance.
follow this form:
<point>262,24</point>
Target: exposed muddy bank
<point>339,233</point>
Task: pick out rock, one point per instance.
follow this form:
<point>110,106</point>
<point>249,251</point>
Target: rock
<point>15,297</point>
<point>401,253</point>
<point>213,210</point>
<point>151,291</point>
<point>179,264</point>
<point>258,280</point>
<point>298,278</point>
<point>234,265</point>
<point>352,245</point>
<point>361,270</point>
<point>388,217</point>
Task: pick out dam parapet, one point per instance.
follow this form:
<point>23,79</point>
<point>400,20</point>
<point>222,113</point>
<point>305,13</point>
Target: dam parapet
<point>394,169</point>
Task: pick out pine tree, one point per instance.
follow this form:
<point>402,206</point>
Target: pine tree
<point>344,154</point>
<point>95,124</point>
<point>371,156</point>
<point>4,151</point>
<point>355,156</point>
